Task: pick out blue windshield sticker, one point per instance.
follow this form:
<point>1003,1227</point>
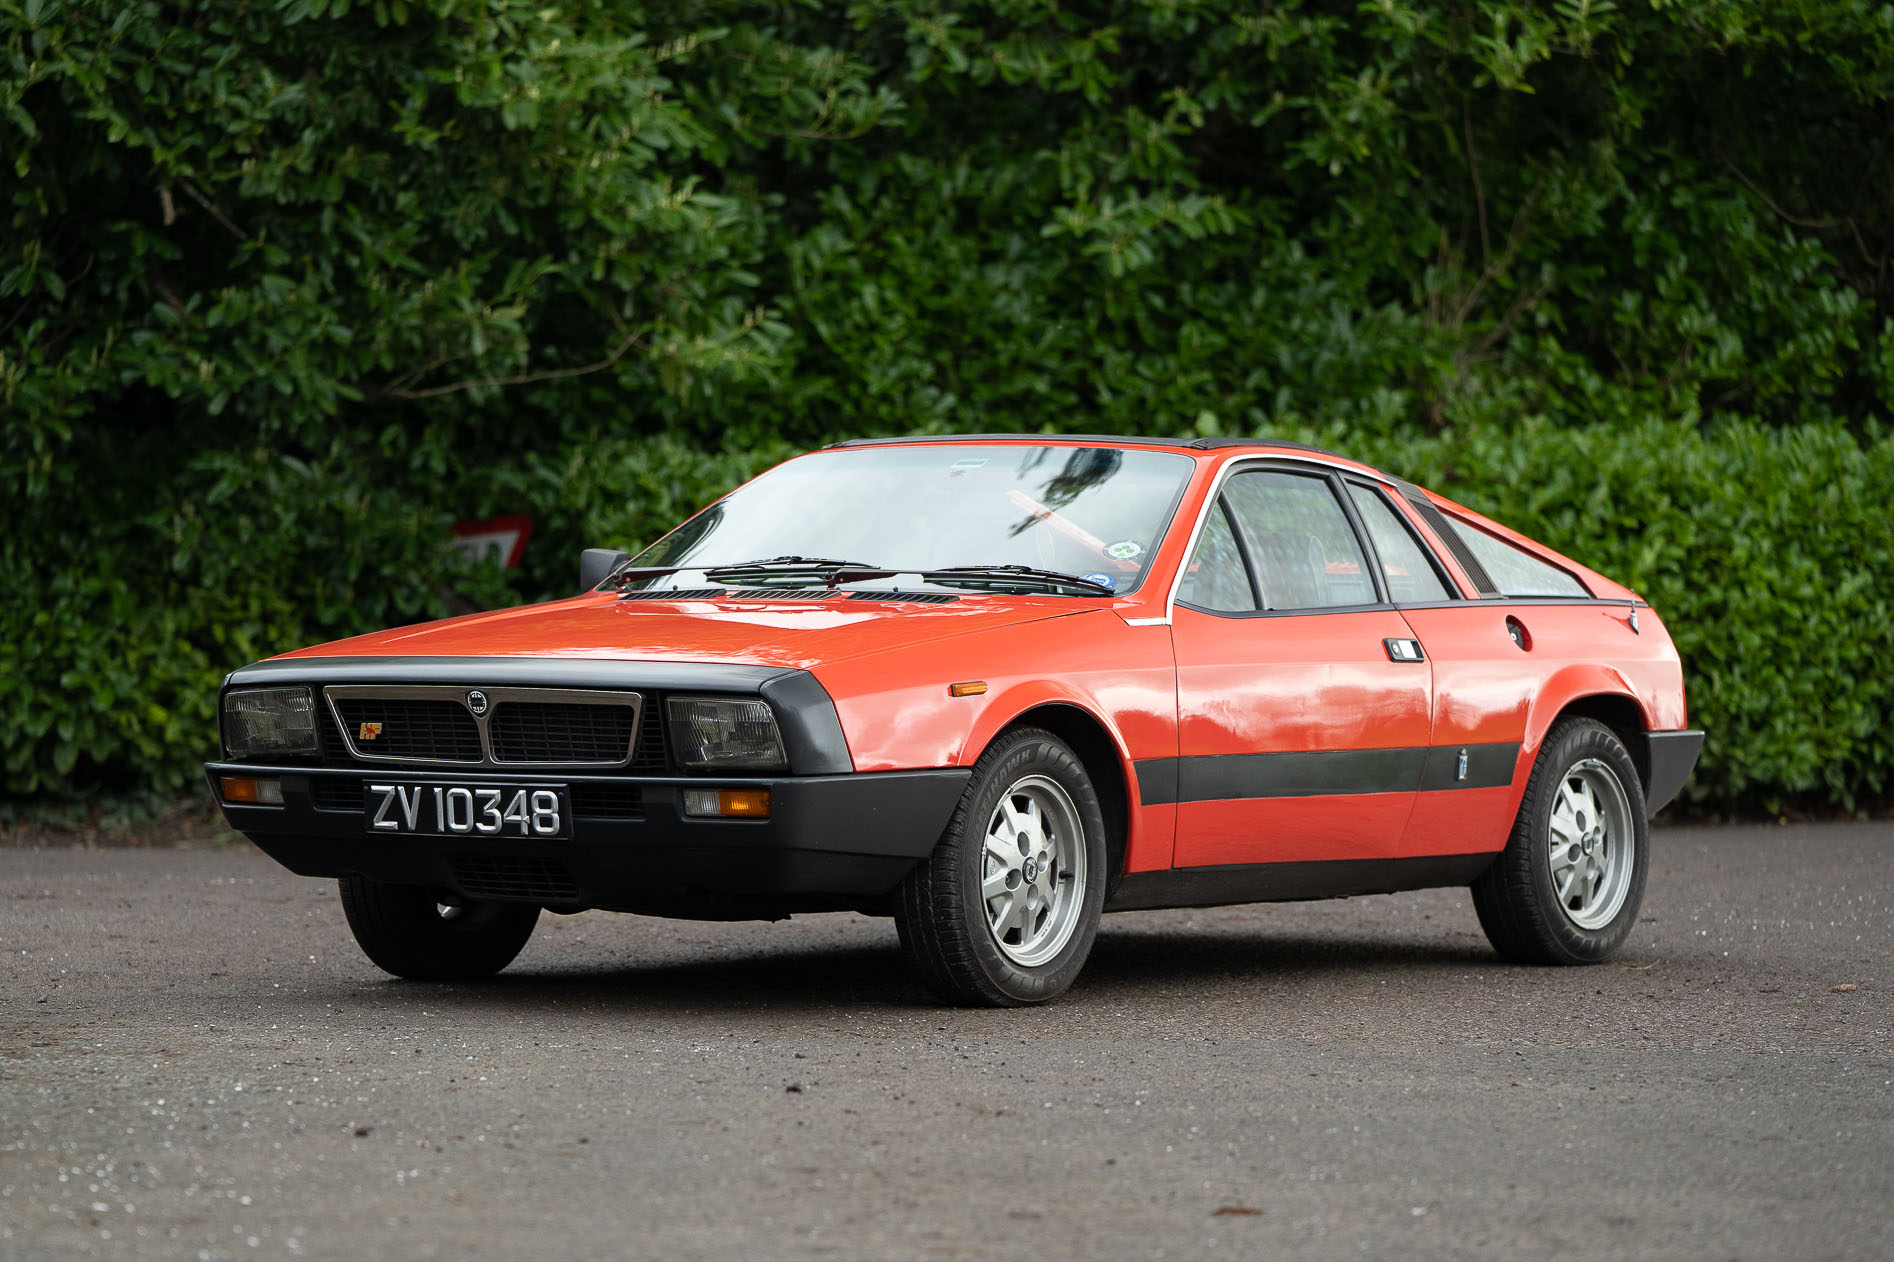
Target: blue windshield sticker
<point>1102,579</point>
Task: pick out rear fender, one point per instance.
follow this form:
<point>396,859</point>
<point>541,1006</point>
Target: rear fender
<point>1567,686</point>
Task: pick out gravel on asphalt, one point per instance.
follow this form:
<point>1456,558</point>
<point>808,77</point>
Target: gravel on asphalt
<point>197,1062</point>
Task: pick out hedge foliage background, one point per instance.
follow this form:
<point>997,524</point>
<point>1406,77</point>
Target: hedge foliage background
<point>286,286</point>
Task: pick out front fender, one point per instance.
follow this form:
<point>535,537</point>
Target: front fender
<point>1004,708</point>
<point>897,713</point>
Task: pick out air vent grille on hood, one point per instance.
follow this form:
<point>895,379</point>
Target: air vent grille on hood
<point>786,593</point>
<point>912,598</point>
<point>684,593</point>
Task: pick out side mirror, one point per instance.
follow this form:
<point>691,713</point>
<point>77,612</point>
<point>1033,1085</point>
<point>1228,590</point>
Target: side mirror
<point>596,563</point>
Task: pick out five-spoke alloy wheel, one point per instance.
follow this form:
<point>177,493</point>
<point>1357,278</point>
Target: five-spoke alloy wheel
<point>1566,889</point>
<point>1004,911</point>
<point>1033,871</point>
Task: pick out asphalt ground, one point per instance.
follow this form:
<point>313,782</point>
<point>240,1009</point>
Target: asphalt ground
<point>196,1062</point>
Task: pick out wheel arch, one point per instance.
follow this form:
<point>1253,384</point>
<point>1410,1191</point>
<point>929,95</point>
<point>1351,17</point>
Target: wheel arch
<point>1105,762</point>
<point>1618,708</point>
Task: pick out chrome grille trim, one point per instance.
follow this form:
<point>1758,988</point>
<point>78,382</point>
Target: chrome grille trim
<point>496,698</point>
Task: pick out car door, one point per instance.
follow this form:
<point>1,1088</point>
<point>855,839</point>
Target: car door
<point>1303,708</point>
<point>1490,656</point>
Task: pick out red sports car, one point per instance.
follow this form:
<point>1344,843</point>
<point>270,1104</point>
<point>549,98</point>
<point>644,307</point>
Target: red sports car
<point>995,687</point>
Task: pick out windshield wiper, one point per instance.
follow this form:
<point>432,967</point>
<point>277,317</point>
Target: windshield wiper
<point>826,569</point>
<point>1016,573</point>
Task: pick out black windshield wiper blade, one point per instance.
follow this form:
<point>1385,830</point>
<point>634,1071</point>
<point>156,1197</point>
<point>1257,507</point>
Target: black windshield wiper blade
<point>828,569</point>
<point>1010,573</point>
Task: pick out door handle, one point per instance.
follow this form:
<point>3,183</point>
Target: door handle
<point>1400,650</point>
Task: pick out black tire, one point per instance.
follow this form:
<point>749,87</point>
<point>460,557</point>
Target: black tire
<point>943,918</point>
<point>427,935</point>
<point>1518,898</point>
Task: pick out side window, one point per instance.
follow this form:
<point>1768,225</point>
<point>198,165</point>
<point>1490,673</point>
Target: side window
<point>1410,576</point>
<point>1513,571</point>
<point>1305,551</point>
<point>1215,577</point>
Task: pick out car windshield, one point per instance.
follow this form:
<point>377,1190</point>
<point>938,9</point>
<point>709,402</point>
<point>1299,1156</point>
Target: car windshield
<point>1091,512</point>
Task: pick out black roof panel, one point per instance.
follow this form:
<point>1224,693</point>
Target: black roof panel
<point>1198,444</point>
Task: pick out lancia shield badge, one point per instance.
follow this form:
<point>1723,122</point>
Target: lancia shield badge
<point>477,702</point>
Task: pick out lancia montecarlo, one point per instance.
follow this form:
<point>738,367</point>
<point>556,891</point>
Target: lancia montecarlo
<point>992,687</point>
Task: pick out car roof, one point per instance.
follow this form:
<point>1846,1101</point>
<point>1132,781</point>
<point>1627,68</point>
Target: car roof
<point>1259,445</point>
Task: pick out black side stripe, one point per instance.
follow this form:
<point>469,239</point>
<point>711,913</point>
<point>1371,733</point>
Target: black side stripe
<point>1235,777</point>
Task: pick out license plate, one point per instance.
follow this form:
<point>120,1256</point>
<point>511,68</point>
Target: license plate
<point>465,810</point>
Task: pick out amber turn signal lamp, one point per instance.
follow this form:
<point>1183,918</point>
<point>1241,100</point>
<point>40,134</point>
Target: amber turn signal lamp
<point>249,792</point>
<point>743,803</point>
<point>972,688</point>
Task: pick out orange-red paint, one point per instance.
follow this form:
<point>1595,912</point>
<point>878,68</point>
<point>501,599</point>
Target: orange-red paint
<point>1159,681</point>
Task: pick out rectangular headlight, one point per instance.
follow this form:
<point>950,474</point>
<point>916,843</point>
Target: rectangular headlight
<point>259,721</point>
<point>725,734</point>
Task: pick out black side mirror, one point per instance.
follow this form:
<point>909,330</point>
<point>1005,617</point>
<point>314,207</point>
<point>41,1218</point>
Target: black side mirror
<point>596,563</point>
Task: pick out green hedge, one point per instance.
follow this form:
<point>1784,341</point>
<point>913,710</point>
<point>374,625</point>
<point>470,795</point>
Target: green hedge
<point>287,286</point>
<point>1768,552</point>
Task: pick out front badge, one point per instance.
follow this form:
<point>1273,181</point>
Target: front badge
<point>477,702</point>
<point>368,732</point>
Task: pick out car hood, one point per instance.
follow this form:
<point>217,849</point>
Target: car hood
<point>793,634</point>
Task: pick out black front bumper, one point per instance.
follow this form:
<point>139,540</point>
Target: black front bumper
<point>836,841</point>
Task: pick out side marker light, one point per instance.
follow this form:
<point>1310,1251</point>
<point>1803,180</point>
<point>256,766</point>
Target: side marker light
<point>972,688</point>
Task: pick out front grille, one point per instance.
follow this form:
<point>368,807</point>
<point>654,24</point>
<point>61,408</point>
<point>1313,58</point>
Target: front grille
<point>541,730</point>
<point>441,731</point>
<point>555,732</point>
<point>598,800</point>
<point>517,879</point>
<point>336,793</point>
<point>335,750</point>
<point>650,757</point>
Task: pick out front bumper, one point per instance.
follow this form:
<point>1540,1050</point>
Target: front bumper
<point>834,841</point>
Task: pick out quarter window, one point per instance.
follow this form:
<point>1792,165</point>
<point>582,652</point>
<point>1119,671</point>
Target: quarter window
<point>1305,552</point>
<point>1514,571</point>
<point>1410,576</point>
<point>1216,578</point>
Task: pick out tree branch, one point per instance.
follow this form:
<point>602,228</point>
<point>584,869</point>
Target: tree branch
<point>215,213</point>
<point>1479,193</point>
<point>394,391</point>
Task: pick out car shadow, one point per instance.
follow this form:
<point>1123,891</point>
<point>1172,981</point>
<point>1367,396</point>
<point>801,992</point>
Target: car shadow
<point>1124,966</point>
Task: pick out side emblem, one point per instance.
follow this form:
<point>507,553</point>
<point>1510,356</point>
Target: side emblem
<point>368,732</point>
<point>477,702</point>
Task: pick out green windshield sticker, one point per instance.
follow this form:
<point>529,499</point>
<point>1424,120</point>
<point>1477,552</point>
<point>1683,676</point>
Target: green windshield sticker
<point>1124,549</point>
